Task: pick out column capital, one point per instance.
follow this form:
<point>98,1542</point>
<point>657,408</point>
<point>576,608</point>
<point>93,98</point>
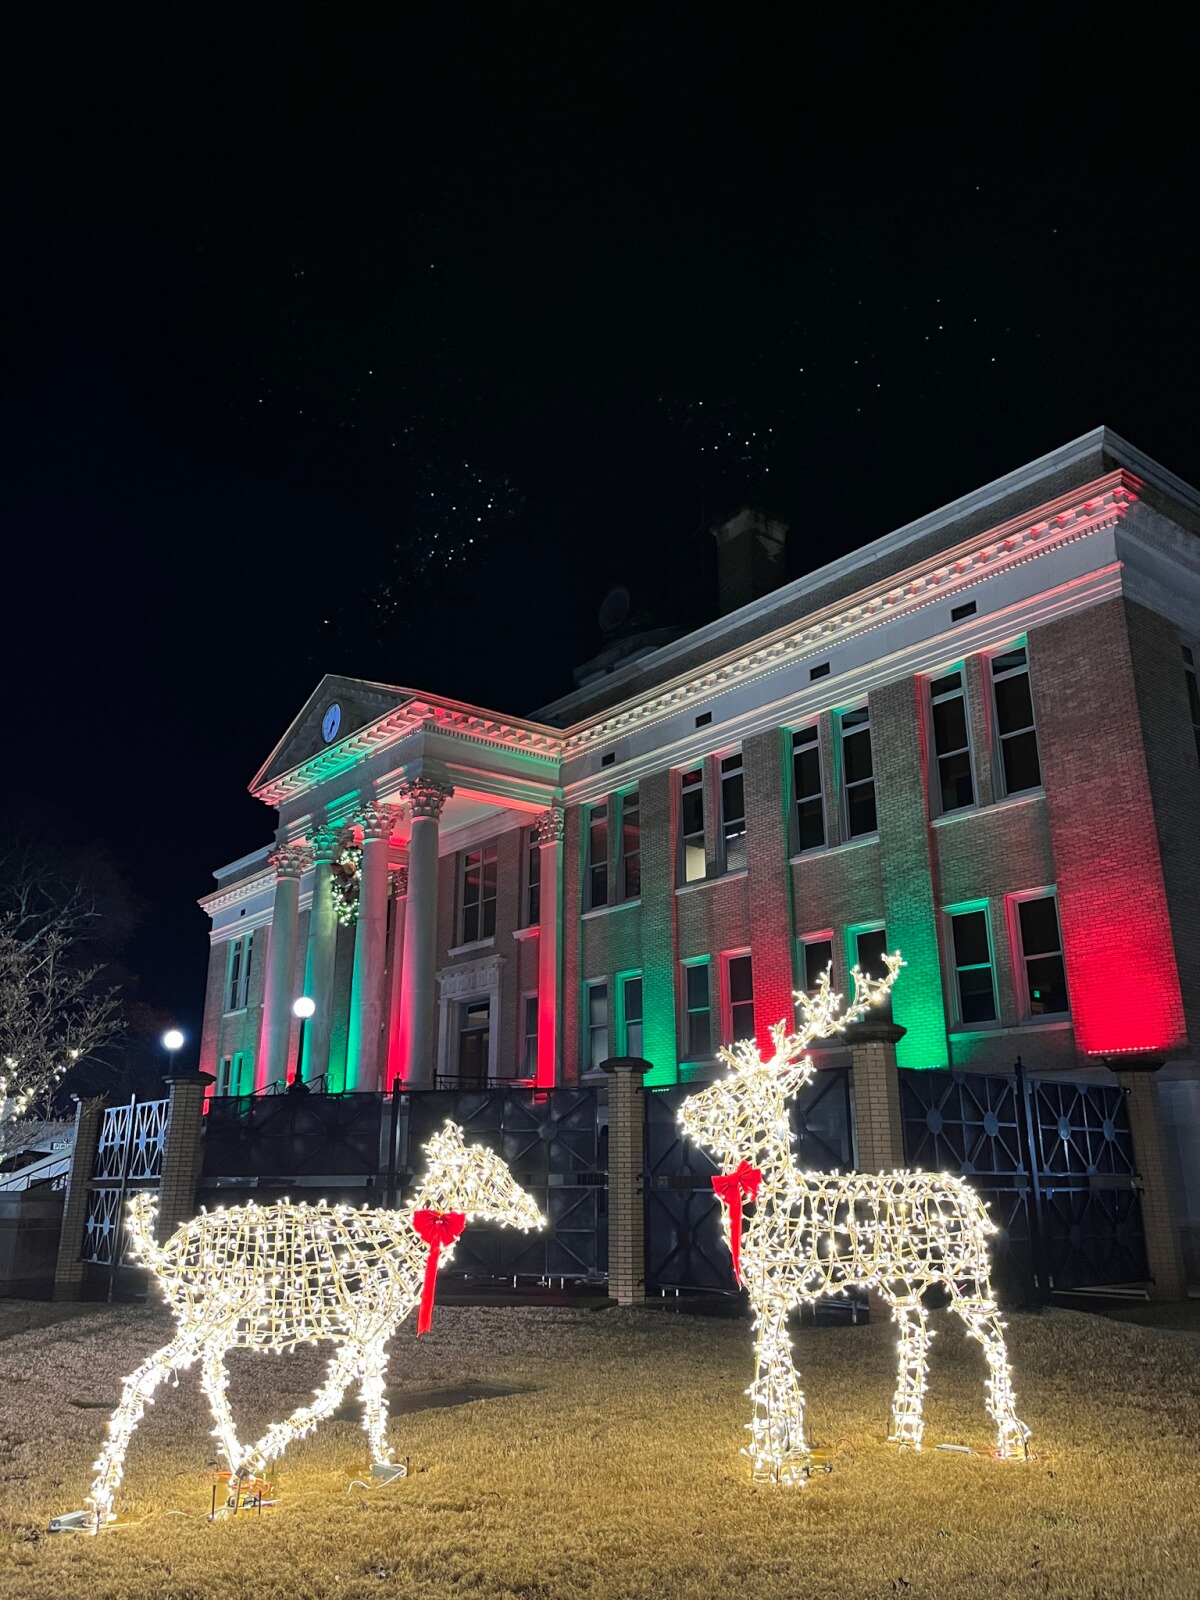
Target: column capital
<point>376,820</point>
<point>290,860</point>
<point>426,797</point>
<point>550,825</point>
<point>1134,1061</point>
<point>873,1031</point>
<point>326,841</point>
<point>399,880</point>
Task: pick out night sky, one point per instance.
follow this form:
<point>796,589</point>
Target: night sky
<point>386,348</point>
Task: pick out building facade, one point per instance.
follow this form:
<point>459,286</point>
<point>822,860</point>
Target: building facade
<point>975,739</point>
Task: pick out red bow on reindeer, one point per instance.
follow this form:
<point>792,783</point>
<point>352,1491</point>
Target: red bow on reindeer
<point>730,1188</point>
<point>436,1228</point>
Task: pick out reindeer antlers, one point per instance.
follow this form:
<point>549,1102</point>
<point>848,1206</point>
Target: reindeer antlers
<point>822,1017</point>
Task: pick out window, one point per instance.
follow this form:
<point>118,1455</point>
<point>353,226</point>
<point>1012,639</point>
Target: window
<point>1193,691</point>
<point>478,894</point>
<point>597,855</point>
<point>858,772</point>
<point>529,1035</point>
<point>867,947</point>
<point>951,743</point>
<point>818,956</point>
<point>1019,765</point>
<point>533,880</point>
<point>806,782</point>
<point>975,980</point>
<point>237,979</point>
<point>697,1004</point>
<point>739,998</point>
<point>224,1076</point>
<point>733,814</point>
<point>631,1014</point>
<point>631,846</point>
<point>474,1040</point>
<point>1041,957</point>
<point>597,1025</point>
<point>691,825</point>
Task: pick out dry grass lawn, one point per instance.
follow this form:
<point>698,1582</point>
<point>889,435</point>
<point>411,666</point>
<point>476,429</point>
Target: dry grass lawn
<point>617,1474</point>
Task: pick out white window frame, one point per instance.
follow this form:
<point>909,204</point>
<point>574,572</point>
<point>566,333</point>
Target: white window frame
<point>1020,972</point>
<point>589,1029</point>
<point>852,936</point>
<point>682,875</point>
<point>1191,681</point>
<point>480,850</point>
<point>844,787</point>
<point>239,993</point>
<point>813,728</point>
<point>1003,792</point>
<point>623,1046</point>
<point>935,775</point>
<point>525,1071</point>
<point>623,801</point>
<point>687,1054</point>
<point>722,820</point>
<point>827,936</point>
<point>532,853</point>
<point>727,959</point>
<point>967,908</point>
<point>600,810</point>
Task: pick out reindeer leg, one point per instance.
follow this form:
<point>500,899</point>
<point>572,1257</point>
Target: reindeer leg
<point>982,1321</point>
<point>908,1423</point>
<point>374,1401</point>
<point>215,1381</point>
<point>136,1395</point>
<point>778,1450</point>
<point>341,1372</point>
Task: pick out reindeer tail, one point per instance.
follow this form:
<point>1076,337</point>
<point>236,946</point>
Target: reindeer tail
<point>139,1223</point>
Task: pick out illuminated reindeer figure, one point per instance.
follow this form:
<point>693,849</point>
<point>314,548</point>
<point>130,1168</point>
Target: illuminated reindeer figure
<point>274,1277</point>
<point>813,1233</point>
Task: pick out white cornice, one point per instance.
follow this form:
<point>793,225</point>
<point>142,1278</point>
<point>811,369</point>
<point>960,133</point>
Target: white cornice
<point>246,889</point>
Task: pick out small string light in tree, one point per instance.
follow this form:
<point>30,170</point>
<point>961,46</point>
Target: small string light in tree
<point>274,1277</point>
<point>345,881</point>
<point>814,1233</point>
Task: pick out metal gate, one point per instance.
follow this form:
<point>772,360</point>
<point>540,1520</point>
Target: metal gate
<point>685,1248</point>
<point>129,1156</point>
<point>1053,1160</point>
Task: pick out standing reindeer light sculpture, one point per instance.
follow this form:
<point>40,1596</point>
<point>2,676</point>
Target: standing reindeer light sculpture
<point>273,1277</point>
<point>814,1233</point>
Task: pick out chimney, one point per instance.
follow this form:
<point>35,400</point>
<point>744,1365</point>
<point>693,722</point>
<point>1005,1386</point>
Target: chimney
<point>749,557</point>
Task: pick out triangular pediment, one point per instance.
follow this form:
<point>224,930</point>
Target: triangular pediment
<point>358,704</point>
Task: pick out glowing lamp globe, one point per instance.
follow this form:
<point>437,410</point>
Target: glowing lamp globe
<point>172,1040</point>
<point>303,1008</point>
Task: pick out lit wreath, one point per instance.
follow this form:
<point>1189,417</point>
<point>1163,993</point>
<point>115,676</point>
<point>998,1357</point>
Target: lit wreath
<point>344,883</point>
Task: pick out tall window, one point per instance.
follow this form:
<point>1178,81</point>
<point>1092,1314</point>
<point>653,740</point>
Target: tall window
<point>733,814</point>
<point>631,1014</point>
<point>817,956</point>
<point>698,1007</point>
<point>237,974</point>
<point>951,742</point>
<point>533,880</point>
<point>631,846</point>
<point>806,784</point>
<point>478,894</point>
<point>474,1036</point>
<point>975,977</point>
<point>1020,768</point>
<point>867,947</point>
<point>597,855</point>
<point>1042,964</point>
<point>529,1035</point>
<point>691,825</point>
<point>739,997</point>
<point>597,1024</point>
<point>858,772</point>
<point>1193,691</point>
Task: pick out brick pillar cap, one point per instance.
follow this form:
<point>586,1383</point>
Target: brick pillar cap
<point>189,1077</point>
<point>1133,1063</point>
<point>875,1033</point>
<point>634,1065</point>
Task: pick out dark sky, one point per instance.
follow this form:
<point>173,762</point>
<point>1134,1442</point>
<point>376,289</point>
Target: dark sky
<point>382,340</point>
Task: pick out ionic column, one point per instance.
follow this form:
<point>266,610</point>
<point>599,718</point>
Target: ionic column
<point>399,916</point>
<point>425,797</point>
<point>364,1047</point>
<point>549,829</point>
<point>291,862</point>
<point>322,950</point>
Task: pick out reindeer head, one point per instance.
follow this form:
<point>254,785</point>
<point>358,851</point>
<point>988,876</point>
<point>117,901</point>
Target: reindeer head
<point>743,1115</point>
<point>471,1178</point>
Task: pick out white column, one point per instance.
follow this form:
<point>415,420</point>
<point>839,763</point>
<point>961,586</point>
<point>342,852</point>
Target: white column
<point>399,917</point>
<point>425,797</point>
<point>549,827</point>
<point>322,950</point>
<point>271,1063</point>
<point>365,1045</point>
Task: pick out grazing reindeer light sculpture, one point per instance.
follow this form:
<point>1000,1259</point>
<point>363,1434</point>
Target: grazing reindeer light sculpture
<point>274,1277</point>
<point>812,1233</point>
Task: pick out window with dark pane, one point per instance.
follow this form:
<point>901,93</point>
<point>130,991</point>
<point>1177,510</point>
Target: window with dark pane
<point>479,894</point>
<point>529,1053</point>
<point>631,1005</point>
<point>699,1011</point>
<point>1020,767</point>
<point>818,956</point>
<point>597,855</point>
<point>1193,692</point>
<point>631,846</point>
<point>870,947</point>
<point>740,978</point>
<point>973,967</point>
<point>858,772</point>
<point>951,743</point>
<point>597,1024</point>
<point>733,814</point>
<point>1041,952</point>
<point>533,880</point>
<point>691,825</point>
<point>806,784</point>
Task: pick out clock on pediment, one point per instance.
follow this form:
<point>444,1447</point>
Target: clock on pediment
<point>331,722</point>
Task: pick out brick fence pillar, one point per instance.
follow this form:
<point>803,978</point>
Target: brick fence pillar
<point>181,1151</point>
<point>70,1267</point>
<point>875,1087</point>
<point>1163,1252</point>
<point>626,1166</point>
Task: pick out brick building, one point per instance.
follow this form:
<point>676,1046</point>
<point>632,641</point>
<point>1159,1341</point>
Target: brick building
<point>975,738</point>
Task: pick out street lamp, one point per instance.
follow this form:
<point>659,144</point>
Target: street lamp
<point>172,1041</point>
<point>302,1008</point>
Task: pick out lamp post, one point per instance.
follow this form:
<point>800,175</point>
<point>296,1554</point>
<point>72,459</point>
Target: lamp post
<point>172,1042</point>
<point>302,1008</point>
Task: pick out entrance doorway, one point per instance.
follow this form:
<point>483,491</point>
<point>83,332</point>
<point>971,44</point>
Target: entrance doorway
<point>474,1034</point>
